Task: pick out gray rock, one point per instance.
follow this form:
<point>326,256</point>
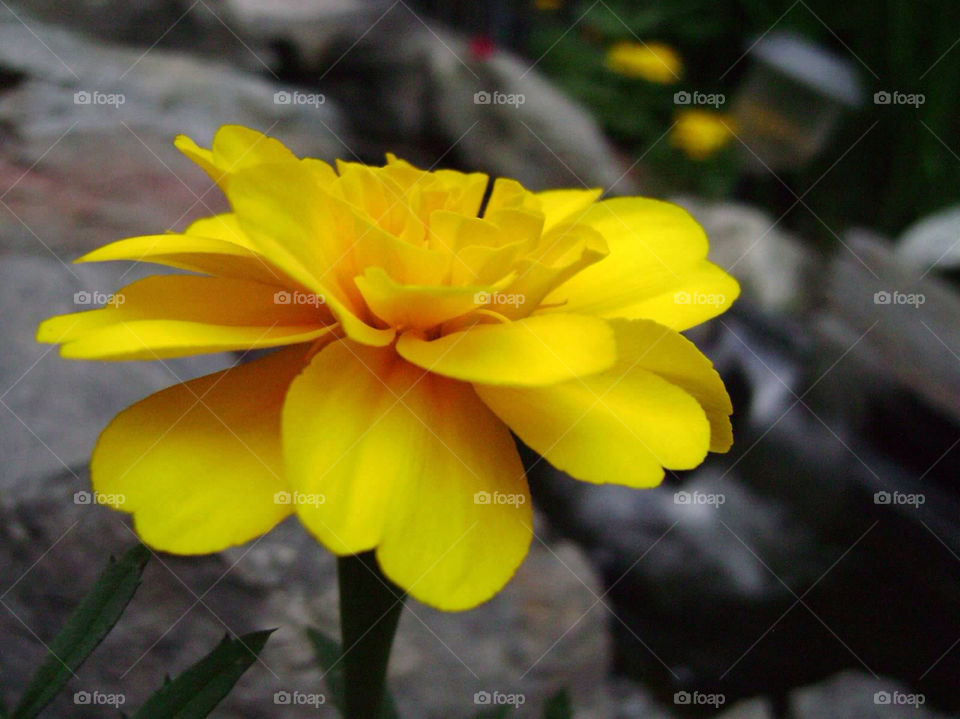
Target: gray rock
<point>52,410</point>
<point>537,635</point>
<point>856,695</point>
<point>87,155</point>
<point>772,266</point>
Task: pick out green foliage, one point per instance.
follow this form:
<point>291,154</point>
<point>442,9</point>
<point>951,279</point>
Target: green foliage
<point>196,692</point>
<point>906,166</point>
<point>86,627</point>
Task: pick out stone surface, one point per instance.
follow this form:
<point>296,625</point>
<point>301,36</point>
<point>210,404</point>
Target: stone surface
<point>52,410</point>
<point>93,126</point>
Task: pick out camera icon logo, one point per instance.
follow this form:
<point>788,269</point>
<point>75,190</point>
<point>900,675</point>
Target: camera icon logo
<point>481,498</point>
<point>682,698</point>
<point>82,98</point>
<point>881,298</point>
<point>482,698</point>
<point>82,298</point>
<point>281,698</point>
<point>882,698</point>
<point>882,498</point>
<point>282,297</point>
<point>682,497</point>
<point>282,97</point>
<point>82,497</point>
<point>682,97</point>
<point>281,498</point>
<point>481,98</point>
<point>882,98</point>
<point>81,698</point>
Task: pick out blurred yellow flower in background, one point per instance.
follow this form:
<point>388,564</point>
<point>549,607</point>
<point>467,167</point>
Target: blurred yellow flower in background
<point>700,133</point>
<point>653,61</point>
<point>418,327</point>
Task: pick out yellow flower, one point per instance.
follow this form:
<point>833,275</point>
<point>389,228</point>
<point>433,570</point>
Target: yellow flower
<point>417,332</point>
<point>652,61</point>
<point>700,133</point>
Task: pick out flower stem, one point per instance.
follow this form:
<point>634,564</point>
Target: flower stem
<point>370,606</point>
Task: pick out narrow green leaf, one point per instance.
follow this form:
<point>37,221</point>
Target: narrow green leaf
<point>328,655</point>
<point>196,692</point>
<point>85,628</point>
<point>558,706</point>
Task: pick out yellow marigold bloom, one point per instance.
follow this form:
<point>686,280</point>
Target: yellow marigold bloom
<point>652,61</point>
<point>700,133</point>
<point>418,329</point>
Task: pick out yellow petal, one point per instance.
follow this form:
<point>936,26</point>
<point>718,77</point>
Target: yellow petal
<point>385,455</point>
<point>673,357</point>
<point>614,427</point>
<point>560,206</point>
<point>199,464</point>
<point>536,350</point>
<point>193,253</point>
<point>234,148</point>
<point>177,315</point>
<point>416,306</point>
<point>307,234</point>
<point>656,251</point>
<point>217,301</point>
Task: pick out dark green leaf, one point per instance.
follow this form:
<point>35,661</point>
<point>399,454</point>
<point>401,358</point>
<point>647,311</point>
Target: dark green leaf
<point>196,692</point>
<point>558,706</point>
<point>327,651</point>
<point>86,627</point>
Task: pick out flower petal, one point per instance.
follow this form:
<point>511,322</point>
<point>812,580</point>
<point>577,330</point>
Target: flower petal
<point>176,315</point>
<point>234,148</point>
<point>538,350</point>
<point>416,306</point>
<point>199,464</point>
<point>656,251</point>
<point>621,428</point>
<point>397,456</point>
<point>561,205</point>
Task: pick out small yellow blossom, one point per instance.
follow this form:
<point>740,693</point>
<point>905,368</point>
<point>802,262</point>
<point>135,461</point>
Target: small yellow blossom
<point>417,327</point>
<point>652,61</point>
<point>700,133</point>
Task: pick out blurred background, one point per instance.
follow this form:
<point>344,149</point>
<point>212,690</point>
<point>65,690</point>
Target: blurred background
<point>813,572</point>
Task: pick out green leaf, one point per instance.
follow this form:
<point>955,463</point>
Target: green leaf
<point>196,692</point>
<point>86,627</point>
<point>328,655</point>
<point>558,706</point>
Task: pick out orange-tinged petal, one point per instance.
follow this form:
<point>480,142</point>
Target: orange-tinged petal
<point>417,306</point>
<point>199,465</point>
<point>387,456</point>
<point>537,350</point>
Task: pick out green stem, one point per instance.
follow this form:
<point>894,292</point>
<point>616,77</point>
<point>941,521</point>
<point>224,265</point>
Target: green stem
<point>370,606</point>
